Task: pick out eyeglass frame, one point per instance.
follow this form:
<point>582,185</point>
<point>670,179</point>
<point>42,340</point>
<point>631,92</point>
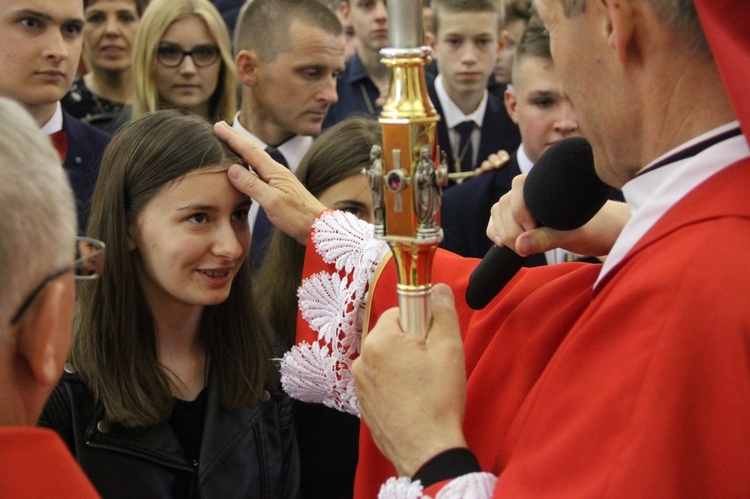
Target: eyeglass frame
<point>99,246</point>
<point>186,53</point>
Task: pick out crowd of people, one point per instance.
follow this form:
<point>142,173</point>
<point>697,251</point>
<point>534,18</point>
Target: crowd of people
<point>240,337</point>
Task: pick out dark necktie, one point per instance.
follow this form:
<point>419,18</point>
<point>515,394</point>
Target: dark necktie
<point>263,226</point>
<point>464,157</point>
<point>60,141</point>
<point>277,156</point>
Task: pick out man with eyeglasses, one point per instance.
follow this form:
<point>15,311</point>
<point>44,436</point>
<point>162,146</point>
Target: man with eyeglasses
<point>40,48</point>
<point>37,269</point>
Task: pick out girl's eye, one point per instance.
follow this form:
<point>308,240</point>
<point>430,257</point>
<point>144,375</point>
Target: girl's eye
<point>240,215</point>
<point>198,218</point>
<point>354,210</point>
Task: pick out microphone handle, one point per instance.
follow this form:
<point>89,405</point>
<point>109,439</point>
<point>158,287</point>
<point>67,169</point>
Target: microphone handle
<point>495,270</point>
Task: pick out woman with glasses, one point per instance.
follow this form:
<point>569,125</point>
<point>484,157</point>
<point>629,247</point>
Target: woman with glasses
<point>171,390</point>
<point>183,59</point>
<point>108,34</point>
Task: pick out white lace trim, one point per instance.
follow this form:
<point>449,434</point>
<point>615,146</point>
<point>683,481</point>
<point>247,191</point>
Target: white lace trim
<point>473,485</point>
<point>400,488</point>
<point>333,304</point>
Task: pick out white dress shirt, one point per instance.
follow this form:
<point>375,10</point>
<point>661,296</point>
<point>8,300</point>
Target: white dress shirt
<point>293,150</point>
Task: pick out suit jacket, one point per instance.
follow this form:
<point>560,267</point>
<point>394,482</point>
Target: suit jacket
<point>465,212</point>
<point>352,85</point>
<point>86,146</point>
<point>229,10</point>
<point>498,130</point>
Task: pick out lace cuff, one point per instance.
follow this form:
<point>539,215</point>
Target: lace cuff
<point>332,302</point>
<point>474,485</point>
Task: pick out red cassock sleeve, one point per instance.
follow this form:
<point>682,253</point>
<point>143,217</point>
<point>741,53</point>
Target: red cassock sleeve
<point>509,342</point>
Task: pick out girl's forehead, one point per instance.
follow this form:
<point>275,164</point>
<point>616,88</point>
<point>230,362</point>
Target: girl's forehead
<point>213,168</point>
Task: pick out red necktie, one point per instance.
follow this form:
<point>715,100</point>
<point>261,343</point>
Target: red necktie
<point>60,141</point>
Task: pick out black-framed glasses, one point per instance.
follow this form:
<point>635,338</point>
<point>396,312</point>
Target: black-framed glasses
<point>88,265</point>
<point>172,56</point>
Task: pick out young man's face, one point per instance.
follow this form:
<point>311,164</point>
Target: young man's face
<point>40,46</point>
<point>540,108</point>
<point>369,18</point>
<point>466,49</point>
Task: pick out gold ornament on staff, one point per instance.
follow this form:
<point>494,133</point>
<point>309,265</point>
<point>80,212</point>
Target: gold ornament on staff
<point>406,174</point>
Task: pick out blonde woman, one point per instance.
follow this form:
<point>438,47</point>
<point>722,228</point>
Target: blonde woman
<point>182,58</point>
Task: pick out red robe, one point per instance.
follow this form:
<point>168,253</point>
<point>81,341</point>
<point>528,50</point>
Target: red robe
<point>641,388</point>
<point>38,464</point>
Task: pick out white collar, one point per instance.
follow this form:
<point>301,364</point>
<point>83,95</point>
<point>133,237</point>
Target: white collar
<point>293,149</point>
<point>452,114</point>
<point>55,123</point>
<point>524,163</point>
<point>652,194</point>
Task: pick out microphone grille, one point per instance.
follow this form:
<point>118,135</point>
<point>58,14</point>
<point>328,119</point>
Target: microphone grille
<point>562,190</point>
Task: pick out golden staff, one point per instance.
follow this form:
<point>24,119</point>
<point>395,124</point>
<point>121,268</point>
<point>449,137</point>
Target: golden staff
<point>406,174</point>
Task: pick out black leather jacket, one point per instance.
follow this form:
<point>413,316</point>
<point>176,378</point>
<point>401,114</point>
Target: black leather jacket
<point>248,452</point>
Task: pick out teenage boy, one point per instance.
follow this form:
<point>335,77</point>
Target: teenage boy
<point>363,84</point>
<point>517,15</point>
<point>40,48</point>
<point>474,123</point>
<point>544,115</point>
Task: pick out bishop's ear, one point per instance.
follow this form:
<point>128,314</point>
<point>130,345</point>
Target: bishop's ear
<point>620,26</point>
<point>43,334</point>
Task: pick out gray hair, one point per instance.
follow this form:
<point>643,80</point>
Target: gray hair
<point>38,225</point>
<point>678,14</point>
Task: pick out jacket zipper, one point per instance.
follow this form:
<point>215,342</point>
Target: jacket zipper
<point>171,464</point>
<point>261,460</point>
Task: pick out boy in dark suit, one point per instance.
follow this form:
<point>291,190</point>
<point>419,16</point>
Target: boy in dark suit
<point>474,123</point>
<point>40,48</point>
<point>363,84</point>
<point>544,114</point>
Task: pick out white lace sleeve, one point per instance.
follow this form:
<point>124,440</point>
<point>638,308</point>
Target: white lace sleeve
<point>474,485</point>
<point>333,304</point>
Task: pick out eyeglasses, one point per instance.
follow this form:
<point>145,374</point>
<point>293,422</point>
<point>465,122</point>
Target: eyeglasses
<point>88,265</point>
<point>172,56</point>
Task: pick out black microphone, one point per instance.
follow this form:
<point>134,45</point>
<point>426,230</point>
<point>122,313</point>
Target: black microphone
<point>562,192</point>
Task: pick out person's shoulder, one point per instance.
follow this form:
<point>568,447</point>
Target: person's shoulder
<point>29,450</point>
<point>504,134</point>
<point>98,137</point>
<point>429,78</point>
<point>353,72</point>
<point>77,101</point>
<point>496,106</point>
<point>473,190</point>
<point>71,124</point>
<point>80,132</point>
